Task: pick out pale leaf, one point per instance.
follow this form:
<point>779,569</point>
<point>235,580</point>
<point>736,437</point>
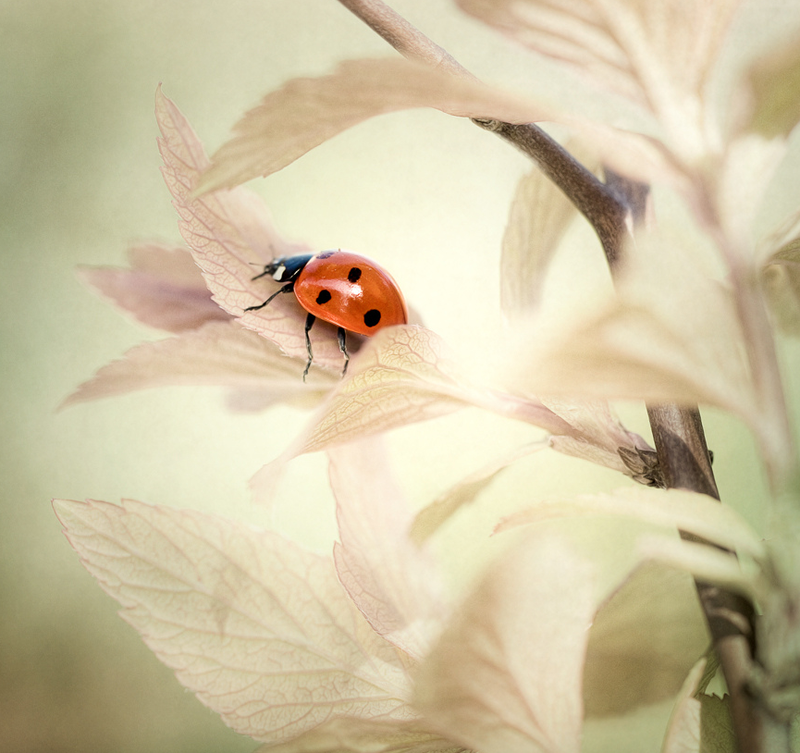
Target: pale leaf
<point>683,731</point>
<point>773,86</point>
<point>539,217</point>
<point>305,112</point>
<point>705,563</point>
<point>365,736</point>
<point>671,334</point>
<point>394,582</point>
<point>644,640</point>
<point>163,288</point>
<point>659,53</point>
<point>231,238</point>
<point>257,627</point>
<point>399,377</point>
<point>438,512</point>
<point>506,675</point>
<point>741,179</point>
<point>673,509</point>
<point>218,353</point>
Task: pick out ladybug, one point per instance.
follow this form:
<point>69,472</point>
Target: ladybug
<point>339,287</point>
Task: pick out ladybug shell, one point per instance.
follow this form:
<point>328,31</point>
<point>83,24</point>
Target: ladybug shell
<point>350,291</point>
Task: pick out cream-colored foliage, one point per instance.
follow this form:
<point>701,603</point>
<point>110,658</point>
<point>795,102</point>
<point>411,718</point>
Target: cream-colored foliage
<point>306,112</point>
<point>218,353</point>
<point>506,675</point>
<point>394,582</point>
<point>671,333</point>
<point>671,509</point>
<point>231,238</point>
<point>257,627</point>
<point>539,217</point>
<point>658,53</point>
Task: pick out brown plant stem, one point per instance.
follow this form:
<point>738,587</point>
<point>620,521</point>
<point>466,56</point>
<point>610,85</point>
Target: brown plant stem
<point>677,430</point>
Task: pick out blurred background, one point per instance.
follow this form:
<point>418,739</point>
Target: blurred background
<point>79,182</point>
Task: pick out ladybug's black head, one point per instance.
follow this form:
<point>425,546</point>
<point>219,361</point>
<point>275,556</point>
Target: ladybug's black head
<point>285,268</point>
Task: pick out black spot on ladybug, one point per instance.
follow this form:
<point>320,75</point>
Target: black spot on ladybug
<point>323,297</point>
<point>372,317</point>
<point>354,274</point>
<point>325,255</point>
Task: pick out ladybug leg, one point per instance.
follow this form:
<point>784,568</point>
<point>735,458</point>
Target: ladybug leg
<point>288,288</point>
<point>343,347</point>
<point>310,319</point>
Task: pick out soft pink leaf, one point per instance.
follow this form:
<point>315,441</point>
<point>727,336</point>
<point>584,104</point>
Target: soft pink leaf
<point>258,628</point>
<point>392,580</point>
<point>231,237</point>
<point>305,112</point>
<point>219,353</point>
<point>308,111</point>
<point>506,675</point>
<point>163,288</point>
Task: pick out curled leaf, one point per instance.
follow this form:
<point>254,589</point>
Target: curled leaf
<point>645,638</point>
<point>308,111</point>
<point>670,334</point>
<point>683,732</point>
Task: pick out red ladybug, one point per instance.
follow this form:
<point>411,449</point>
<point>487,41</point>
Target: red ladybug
<point>342,288</point>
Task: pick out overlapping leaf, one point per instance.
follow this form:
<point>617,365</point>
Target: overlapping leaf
<point>306,112</point>
<point>394,582</point>
<point>258,628</point>
<point>231,236</point>
<point>506,675</point>
<point>218,353</point>
<point>673,509</point>
<point>671,334</point>
<point>163,288</point>
<point>659,54</point>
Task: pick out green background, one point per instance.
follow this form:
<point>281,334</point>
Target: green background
<point>80,181</point>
